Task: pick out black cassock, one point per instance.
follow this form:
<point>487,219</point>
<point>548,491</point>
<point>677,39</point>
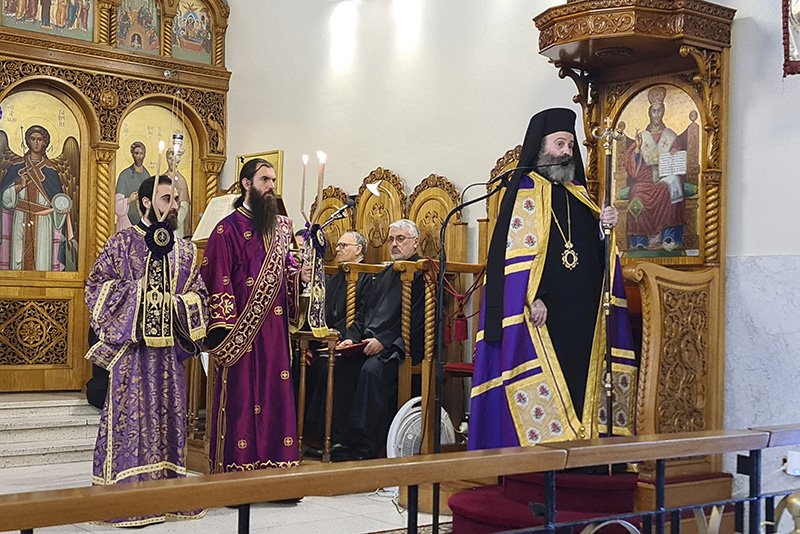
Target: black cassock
<point>344,377</point>
<point>374,402</point>
<point>572,296</point>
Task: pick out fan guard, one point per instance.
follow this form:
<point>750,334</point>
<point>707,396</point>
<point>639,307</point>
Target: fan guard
<point>405,434</point>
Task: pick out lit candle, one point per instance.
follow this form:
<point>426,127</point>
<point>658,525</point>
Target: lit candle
<point>177,144</point>
<point>155,181</point>
<point>322,158</point>
<point>303,188</point>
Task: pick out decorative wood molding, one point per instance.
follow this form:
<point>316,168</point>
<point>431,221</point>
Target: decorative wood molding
<point>219,47</point>
<point>504,163</point>
<point>112,97</point>
<point>166,39</point>
<point>102,58</point>
<point>440,182</point>
<point>333,198</point>
<point>587,98</point>
<point>428,206</point>
<point>696,21</point>
<point>680,349</point>
<point>34,332</point>
<point>104,34</point>
<point>390,178</point>
<point>104,217</point>
<point>212,168</point>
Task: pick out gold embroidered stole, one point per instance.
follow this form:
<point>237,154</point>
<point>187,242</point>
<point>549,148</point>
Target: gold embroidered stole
<point>157,326</point>
<point>239,340</point>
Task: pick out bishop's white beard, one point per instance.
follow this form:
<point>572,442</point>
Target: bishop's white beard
<point>553,168</point>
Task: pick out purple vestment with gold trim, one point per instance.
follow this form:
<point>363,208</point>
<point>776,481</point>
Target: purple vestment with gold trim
<point>142,432</point>
<point>253,283</point>
<point>524,392</point>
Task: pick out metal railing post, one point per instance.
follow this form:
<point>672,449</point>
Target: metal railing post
<point>244,519</point>
<point>769,515</point>
<point>751,466</point>
<point>550,501</point>
<point>413,508</point>
<point>661,494</point>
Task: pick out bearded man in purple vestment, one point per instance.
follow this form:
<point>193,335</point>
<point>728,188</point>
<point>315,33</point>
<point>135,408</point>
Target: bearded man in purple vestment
<point>146,331</point>
<point>254,286</point>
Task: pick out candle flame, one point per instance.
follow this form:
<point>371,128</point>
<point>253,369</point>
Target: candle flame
<point>305,159</point>
<point>160,146</point>
<point>321,156</point>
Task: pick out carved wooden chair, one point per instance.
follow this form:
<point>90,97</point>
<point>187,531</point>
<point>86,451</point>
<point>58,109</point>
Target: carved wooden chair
<point>333,198</point>
<point>486,226</point>
<point>375,213</point>
<point>681,355</point>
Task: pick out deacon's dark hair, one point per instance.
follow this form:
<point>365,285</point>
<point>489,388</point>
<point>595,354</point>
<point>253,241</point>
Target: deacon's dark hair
<point>138,144</point>
<point>146,189</point>
<point>249,170</point>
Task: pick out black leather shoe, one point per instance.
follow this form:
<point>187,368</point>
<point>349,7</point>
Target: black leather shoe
<point>312,452</point>
<point>354,456</point>
<point>339,448</point>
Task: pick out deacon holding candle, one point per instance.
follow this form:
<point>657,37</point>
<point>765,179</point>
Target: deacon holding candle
<point>147,304</point>
<point>254,286</point>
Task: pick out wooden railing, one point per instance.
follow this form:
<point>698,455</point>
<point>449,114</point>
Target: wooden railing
<point>26,511</point>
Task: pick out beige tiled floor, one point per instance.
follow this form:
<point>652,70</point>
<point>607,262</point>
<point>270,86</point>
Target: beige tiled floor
<point>352,514</point>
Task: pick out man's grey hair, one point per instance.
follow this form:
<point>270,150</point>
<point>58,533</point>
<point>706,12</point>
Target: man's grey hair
<point>409,225</point>
<point>360,240</point>
<point>138,144</point>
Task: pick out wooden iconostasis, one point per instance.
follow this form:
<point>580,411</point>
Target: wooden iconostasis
<point>87,91</point>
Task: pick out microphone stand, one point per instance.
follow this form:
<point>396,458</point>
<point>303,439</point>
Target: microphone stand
<point>439,320</point>
<point>338,214</point>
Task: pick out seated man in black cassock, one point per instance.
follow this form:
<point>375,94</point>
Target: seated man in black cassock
<point>350,248</point>
<point>374,403</point>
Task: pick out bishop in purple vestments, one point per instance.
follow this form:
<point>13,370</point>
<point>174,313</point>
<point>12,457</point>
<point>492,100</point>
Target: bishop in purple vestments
<point>539,353</point>
<point>254,287</point>
<point>142,432</point>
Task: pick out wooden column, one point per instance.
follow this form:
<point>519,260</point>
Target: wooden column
<point>212,167</point>
<point>104,155</point>
<point>166,38</point>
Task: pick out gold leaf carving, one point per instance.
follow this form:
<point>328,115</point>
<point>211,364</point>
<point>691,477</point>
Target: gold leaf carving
<point>210,105</point>
<point>33,332</point>
<point>684,361</point>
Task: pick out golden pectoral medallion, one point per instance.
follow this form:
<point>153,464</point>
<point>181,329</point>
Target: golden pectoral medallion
<point>569,257</point>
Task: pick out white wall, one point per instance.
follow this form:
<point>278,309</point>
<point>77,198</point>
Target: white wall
<point>446,87</point>
<point>446,92</point>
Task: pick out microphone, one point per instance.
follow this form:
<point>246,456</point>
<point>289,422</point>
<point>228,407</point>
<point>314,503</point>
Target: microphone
<point>339,214</point>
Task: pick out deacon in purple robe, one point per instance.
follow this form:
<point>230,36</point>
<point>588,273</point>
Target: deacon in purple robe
<point>254,287</point>
<point>539,354</point>
<point>149,313</point>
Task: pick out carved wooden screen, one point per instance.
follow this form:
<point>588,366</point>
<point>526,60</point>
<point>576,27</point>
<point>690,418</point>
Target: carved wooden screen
<point>682,357</point>
<point>43,319</point>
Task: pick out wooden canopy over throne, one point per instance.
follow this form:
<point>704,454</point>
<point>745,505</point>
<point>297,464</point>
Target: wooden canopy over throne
<point>43,318</point>
<point>623,58</point>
